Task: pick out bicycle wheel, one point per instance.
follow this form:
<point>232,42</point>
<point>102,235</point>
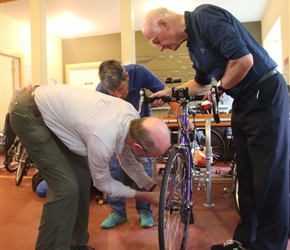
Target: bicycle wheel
<point>235,183</point>
<point>174,216</point>
<point>236,192</point>
<point>23,167</point>
<point>236,187</point>
<point>217,145</point>
<point>10,162</point>
<point>10,166</point>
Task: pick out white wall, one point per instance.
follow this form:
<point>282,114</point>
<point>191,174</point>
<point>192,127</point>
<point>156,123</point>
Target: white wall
<point>279,9</point>
<point>54,59</point>
<point>15,41</point>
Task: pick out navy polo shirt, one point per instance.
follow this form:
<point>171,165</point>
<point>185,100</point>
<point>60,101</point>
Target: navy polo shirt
<point>139,77</point>
<point>215,36</point>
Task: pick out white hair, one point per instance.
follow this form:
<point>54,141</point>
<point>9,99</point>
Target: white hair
<point>150,23</point>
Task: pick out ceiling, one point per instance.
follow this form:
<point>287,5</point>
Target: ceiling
<point>100,17</point>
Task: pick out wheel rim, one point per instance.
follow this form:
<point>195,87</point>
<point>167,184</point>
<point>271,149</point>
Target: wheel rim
<point>174,220</point>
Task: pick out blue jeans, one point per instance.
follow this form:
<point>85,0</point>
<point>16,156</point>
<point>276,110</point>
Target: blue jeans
<point>118,204</point>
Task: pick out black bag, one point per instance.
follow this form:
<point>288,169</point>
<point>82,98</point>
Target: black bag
<point>36,179</point>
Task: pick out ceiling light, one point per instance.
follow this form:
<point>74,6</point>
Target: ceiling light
<point>67,25</point>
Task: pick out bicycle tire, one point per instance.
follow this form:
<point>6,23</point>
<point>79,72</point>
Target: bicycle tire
<point>173,216</point>
<point>236,187</point>
<point>23,167</point>
<point>217,145</point>
<point>236,192</point>
<point>8,164</point>
<point>11,155</point>
<point>235,184</point>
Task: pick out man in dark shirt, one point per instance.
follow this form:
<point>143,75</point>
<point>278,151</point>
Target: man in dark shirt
<point>220,47</point>
<point>125,82</point>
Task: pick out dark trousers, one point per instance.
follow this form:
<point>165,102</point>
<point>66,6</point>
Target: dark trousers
<point>64,220</point>
<point>260,123</point>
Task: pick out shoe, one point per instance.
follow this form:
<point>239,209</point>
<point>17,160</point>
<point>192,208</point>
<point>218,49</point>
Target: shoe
<point>229,245</point>
<point>113,220</point>
<point>82,248</point>
<point>146,220</point>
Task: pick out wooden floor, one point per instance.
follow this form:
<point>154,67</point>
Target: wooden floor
<point>20,211</point>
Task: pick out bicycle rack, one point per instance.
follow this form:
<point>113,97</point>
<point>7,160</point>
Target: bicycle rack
<point>208,122</point>
<point>207,176</point>
<point>203,179</point>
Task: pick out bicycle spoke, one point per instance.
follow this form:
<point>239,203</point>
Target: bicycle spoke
<point>23,166</point>
<point>173,217</point>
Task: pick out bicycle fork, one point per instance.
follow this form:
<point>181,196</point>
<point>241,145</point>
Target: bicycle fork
<point>188,187</point>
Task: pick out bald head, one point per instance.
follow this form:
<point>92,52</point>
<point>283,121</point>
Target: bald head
<point>164,28</point>
<point>160,134</point>
<point>152,133</point>
<point>150,23</point>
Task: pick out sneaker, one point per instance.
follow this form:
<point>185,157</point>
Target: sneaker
<point>229,245</point>
<point>113,220</point>
<point>146,220</point>
<point>82,248</point>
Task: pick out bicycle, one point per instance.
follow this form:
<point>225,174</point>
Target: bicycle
<point>175,203</point>
<point>175,207</point>
<point>217,142</point>
<point>199,133</point>
<point>2,138</point>
<point>235,183</point>
<point>24,164</point>
<point>2,143</point>
<point>13,156</point>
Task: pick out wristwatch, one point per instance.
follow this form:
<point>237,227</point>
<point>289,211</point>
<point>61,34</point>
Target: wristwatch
<point>220,87</point>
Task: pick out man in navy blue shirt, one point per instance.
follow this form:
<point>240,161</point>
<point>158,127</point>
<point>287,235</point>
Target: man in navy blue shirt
<point>126,82</point>
<point>220,47</point>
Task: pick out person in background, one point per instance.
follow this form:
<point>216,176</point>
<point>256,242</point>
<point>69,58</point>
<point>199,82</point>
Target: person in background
<point>220,47</point>
<point>125,82</point>
<point>70,144</point>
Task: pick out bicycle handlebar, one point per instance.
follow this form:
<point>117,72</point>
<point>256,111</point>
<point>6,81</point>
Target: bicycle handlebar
<point>215,100</point>
<point>181,94</point>
<point>177,95</point>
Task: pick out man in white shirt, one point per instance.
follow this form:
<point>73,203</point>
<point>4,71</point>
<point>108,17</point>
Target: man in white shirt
<point>63,128</point>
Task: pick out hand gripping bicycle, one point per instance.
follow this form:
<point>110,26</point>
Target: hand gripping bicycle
<point>175,205</point>
<point>217,142</point>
